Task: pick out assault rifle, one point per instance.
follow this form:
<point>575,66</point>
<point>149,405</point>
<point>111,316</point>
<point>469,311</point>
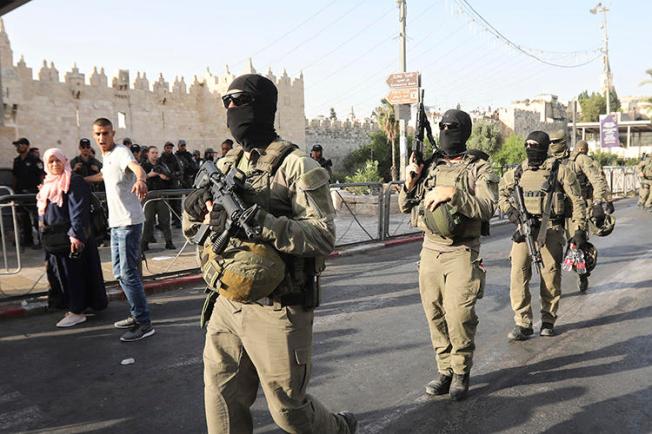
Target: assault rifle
<point>525,225</point>
<point>423,127</point>
<point>225,190</point>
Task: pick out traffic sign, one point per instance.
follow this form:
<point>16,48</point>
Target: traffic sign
<point>407,95</point>
<point>403,79</point>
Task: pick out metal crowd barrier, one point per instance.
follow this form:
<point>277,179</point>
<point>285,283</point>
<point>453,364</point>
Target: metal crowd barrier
<point>371,216</point>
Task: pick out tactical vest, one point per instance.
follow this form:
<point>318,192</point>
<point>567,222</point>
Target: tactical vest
<point>585,185</point>
<point>267,188</point>
<point>536,188</point>
<point>446,223</point>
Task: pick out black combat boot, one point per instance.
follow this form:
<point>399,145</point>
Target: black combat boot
<point>583,283</point>
<point>439,385</point>
<point>350,420</point>
<point>519,333</point>
<point>547,329</point>
<point>170,246</point>
<point>459,386</point>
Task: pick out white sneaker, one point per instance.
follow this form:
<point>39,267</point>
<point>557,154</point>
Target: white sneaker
<point>71,319</point>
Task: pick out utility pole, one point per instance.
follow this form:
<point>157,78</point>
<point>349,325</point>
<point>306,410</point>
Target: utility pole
<point>606,68</point>
<point>402,18</point>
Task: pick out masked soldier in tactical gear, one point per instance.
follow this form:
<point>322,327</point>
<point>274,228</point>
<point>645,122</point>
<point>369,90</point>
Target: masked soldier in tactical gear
<point>547,186</point>
<point>450,196</point>
<point>260,329</point>
<point>644,172</point>
<point>593,184</point>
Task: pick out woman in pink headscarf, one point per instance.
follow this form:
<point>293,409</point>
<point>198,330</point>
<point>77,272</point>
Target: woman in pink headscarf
<point>73,262</point>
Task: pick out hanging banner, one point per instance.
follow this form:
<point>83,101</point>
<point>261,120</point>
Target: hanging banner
<point>609,137</point>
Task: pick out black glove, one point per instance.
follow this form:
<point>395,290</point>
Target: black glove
<point>579,239</point>
<point>609,207</point>
<point>598,214</point>
<point>217,219</point>
<point>518,237</point>
<point>513,216</point>
<point>195,203</point>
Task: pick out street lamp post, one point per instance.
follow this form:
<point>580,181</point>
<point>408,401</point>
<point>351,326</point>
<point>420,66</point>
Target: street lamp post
<point>606,69</point>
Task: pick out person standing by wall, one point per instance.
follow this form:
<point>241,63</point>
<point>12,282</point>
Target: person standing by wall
<point>27,175</point>
<point>158,178</point>
<point>188,164</point>
<point>172,162</point>
<point>125,185</point>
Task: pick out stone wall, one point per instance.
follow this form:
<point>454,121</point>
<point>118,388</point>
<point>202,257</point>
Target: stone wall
<point>338,138</point>
<point>51,112</point>
<point>544,113</point>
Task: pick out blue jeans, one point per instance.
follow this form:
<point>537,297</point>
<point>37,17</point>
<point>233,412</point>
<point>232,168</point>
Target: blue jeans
<point>125,255</point>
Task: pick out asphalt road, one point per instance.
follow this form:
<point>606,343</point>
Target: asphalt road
<point>372,355</point>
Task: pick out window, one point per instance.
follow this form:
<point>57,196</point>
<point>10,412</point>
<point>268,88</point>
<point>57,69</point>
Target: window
<point>122,120</point>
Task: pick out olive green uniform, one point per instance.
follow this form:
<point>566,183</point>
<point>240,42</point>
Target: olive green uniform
<point>592,181</point>
<point>268,342</point>
<point>566,189</point>
<point>451,275</point>
<point>644,171</point>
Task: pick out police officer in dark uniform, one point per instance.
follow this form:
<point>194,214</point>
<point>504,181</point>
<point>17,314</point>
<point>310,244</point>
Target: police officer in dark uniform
<point>190,167</point>
<point>28,174</point>
<point>316,153</point>
<point>172,162</point>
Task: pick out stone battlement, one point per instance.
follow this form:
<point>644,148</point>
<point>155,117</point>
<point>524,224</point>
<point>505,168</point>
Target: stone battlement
<point>51,112</point>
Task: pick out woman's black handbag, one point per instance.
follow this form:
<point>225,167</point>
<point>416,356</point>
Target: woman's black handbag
<point>55,238</point>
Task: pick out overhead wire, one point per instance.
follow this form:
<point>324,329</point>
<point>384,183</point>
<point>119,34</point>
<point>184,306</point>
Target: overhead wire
<point>322,30</point>
<point>292,30</point>
<point>476,17</point>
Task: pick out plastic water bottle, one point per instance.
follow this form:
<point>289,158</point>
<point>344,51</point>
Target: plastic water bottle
<point>580,262</point>
<point>569,260</point>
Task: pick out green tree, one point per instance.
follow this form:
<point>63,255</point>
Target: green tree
<point>386,118</point>
<point>511,152</point>
<point>377,149</point>
<point>595,104</point>
<point>485,136</point>
<point>333,115</point>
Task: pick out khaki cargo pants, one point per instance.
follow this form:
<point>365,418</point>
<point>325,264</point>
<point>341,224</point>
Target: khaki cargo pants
<point>550,286</point>
<point>248,345</point>
<point>645,198</point>
<point>450,283</point>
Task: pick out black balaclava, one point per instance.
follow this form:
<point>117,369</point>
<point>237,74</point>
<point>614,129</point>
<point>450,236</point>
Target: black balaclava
<point>453,142</point>
<point>537,154</point>
<point>252,124</point>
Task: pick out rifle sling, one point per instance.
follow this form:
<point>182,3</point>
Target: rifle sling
<point>545,217</point>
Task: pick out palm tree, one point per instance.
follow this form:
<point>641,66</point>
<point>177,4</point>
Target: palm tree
<point>648,81</point>
<point>386,119</point>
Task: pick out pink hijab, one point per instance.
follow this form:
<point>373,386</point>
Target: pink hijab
<point>54,186</point>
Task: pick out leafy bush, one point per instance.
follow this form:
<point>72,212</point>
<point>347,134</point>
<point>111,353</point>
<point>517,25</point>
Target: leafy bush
<point>368,173</point>
<point>609,159</point>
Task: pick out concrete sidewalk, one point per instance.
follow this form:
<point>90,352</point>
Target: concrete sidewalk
<point>161,263</point>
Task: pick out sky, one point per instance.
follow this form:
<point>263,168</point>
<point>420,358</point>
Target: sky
<point>346,48</point>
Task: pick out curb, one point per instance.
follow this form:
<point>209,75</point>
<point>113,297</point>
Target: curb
<point>114,293</point>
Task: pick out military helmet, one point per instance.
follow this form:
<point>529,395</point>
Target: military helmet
<point>442,221</point>
<point>590,256</point>
<point>607,226</point>
<point>582,146</point>
<point>245,272</point>
<point>558,141</point>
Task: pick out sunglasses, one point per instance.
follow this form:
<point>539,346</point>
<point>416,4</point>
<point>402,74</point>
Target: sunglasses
<point>238,99</point>
<point>448,126</point>
<point>85,146</point>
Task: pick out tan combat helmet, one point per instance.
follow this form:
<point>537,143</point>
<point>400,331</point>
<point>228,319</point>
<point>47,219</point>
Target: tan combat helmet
<point>582,147</point>
<point>558,142</point>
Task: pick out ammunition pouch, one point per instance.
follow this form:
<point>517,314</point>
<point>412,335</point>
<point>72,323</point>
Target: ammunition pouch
<point>245,272</point>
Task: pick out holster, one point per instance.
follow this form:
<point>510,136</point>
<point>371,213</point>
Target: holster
<point>207,308</point>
